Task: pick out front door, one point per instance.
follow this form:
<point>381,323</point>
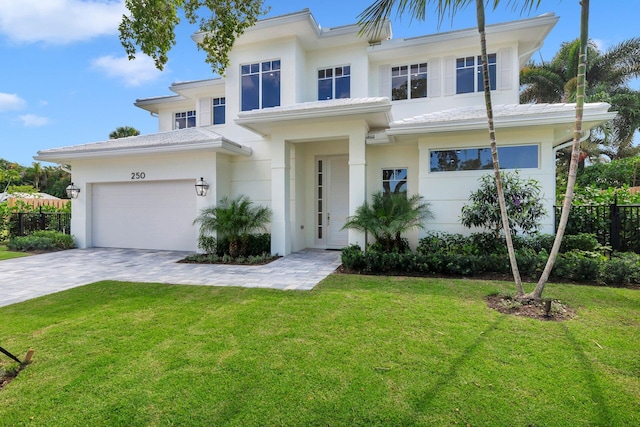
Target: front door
<point>337,209</point>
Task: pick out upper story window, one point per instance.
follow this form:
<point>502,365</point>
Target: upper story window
<point>469,74</point>
<point>409,81</point>
<point>334,83</point>
<point>185,119</point>
<point>394,181</point>
<point>514,157</point>
<point>218,110</point>
<point>260,85</point>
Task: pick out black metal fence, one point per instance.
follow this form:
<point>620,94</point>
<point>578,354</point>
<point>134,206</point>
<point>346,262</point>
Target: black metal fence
<point>614,225</point>
<point>23,223</point>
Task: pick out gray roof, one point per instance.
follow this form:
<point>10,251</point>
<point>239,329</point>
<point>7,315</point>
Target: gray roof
<point>507,111</point>
<point>198,137</point>
<point>317,106</point>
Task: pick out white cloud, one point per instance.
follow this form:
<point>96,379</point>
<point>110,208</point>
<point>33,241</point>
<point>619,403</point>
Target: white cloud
<point>59,21</point>
<point>600,44</point>
<point>31,120</point>
<point>134,73</point>
<point>11,101</point>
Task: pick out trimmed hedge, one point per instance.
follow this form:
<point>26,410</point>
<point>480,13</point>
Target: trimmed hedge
<point>257,245</point>
<point>41,241</point>
<point>581,258</point>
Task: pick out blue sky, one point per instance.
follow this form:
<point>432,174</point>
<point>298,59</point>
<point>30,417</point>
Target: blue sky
<point>65,79</point>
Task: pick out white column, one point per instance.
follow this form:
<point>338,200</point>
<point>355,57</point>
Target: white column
<point>280,197</point>
<point>357,179</point>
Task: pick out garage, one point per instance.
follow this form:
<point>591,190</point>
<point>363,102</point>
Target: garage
<point>144,215</point>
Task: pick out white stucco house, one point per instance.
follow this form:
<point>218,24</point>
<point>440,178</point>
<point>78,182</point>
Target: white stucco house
<point>310,121</point>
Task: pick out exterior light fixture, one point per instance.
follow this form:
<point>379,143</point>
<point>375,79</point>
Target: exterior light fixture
<point>201,187</point>
<point>72,191</point>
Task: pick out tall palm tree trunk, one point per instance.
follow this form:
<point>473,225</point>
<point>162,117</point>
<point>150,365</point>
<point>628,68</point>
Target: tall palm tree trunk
<point>494,148</point>
<point>575,152</point>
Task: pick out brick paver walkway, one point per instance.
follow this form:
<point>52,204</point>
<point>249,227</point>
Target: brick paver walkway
<point>29,277</point>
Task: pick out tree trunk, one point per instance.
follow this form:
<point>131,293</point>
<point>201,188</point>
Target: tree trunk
<point>494,149</point>
<point>575,152</point>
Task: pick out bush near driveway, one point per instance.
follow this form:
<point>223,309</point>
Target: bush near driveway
<point>41,241</point>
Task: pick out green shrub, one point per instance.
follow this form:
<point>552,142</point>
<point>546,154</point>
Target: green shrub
<point>207,244</point>
<point>256,245</point>
<point>578,265</point>
<point>41,241</point>
<point>353,258</point>
<point>522,198</point>
<point>454,254</point>
<point>582,241</point>
<point>621,269</point>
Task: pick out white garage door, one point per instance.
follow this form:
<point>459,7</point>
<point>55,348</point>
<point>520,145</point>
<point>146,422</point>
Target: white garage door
<point>145,215</point>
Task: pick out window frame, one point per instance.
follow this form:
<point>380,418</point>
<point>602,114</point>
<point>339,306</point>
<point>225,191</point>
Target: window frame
<point>220,106</point>
<point>394,177</point>
<point>473,72</point>
<point>406,72</point>
<point>339,72</point>
<point>262,70</point>
<point>187,116</point>
<point>488,165</point>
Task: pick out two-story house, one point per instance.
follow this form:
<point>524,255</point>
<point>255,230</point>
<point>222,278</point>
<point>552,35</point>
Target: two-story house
<point>310,121</point>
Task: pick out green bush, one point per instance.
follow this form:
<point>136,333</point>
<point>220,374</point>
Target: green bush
<point>582,241</point>
<point>454,254</point>
<point>353,258</point>
<point>208,244</point>
<point>621,269</point>
<point>256,245</point>
<point>577,265</point>
<point>41,241</point>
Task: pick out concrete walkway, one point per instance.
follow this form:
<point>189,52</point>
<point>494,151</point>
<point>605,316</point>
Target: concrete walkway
<point>29,277</point>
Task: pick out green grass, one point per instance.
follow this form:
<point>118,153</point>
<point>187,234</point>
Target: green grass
<point>357,350</point>
<point>6,254</point>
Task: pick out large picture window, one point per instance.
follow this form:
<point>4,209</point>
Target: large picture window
<point>394,181</point>
<point>334,83</point>
<point>260,85</point>
<point>219,110</point>
<point>185,119</point>
<point>469,74</point>
<point>514,157</point>
<point>409,81</point>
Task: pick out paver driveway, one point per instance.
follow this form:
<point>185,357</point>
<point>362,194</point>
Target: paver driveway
<point>29,277</point>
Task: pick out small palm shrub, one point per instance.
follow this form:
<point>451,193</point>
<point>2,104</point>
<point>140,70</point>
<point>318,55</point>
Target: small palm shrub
<point>233,219</point>
<point>389,216</point>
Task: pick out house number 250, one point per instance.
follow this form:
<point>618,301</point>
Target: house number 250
<point>137,175</point>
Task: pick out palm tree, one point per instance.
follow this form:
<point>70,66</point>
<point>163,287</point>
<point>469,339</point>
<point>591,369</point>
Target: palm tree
<point>123,132</point>
<point>235,219</point>
<point>608,75</point>
<point>36,169</point>
<point>389,216</point>
<point>379,12</point>
<point>536,294</point>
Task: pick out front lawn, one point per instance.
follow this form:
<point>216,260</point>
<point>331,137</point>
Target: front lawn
<point>6,254</point>
<point>357,350</point>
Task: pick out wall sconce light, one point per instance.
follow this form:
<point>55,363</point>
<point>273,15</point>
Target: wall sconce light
<point>72,191</point>
<point>201,187</point>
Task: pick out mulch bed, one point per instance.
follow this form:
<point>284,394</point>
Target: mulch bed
<point>531,309</point>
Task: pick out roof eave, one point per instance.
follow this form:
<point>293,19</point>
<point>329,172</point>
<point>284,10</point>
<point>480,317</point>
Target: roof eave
<point>500,122</point>
<point>221,145</point>
<point>262,122</point>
